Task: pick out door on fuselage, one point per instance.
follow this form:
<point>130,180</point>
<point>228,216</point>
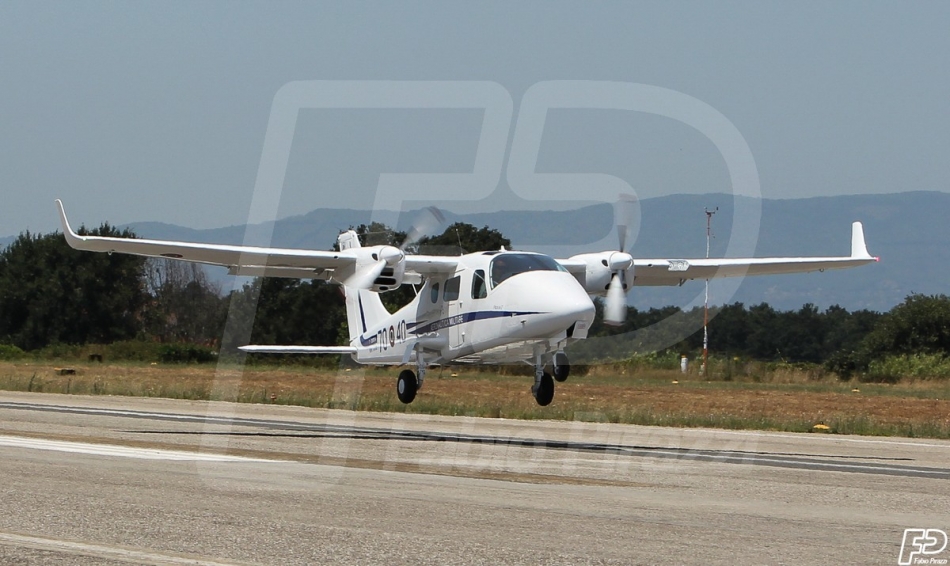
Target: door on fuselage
<point>450,298</point>
<point>464,304</point>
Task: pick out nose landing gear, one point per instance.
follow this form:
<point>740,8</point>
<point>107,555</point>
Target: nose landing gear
<point>543,388</point>
<point>562,368</point>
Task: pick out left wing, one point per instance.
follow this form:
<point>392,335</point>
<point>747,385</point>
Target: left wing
<point>676,271</point>
<point>648,272</point>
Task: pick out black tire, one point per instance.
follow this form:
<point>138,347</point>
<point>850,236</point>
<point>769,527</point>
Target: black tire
<point>562,368</point>
<point>406,386</point>
<point>545,391</point>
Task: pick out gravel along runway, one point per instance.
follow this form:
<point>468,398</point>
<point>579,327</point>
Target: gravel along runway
<point>107,480</point>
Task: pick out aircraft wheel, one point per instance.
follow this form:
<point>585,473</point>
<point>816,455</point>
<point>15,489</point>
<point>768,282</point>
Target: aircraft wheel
<point>544,392</point>
<point>406,386</point>
<point>562,368</point>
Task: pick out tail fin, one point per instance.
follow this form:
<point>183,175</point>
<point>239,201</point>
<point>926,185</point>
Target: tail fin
<point>364,309</point>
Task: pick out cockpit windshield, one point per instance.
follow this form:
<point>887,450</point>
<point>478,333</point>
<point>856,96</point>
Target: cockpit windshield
<point>505,265</point>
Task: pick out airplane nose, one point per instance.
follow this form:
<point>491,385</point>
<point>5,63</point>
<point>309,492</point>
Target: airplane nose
<point>550,302</point>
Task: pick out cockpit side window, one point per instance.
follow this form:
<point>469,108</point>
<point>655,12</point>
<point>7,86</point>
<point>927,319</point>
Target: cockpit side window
<point>504,266</point>
<point>452,286</point>
<point>435,292</point>
<point>479,287</point>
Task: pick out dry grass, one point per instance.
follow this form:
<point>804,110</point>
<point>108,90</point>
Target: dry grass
<point>780,400</point>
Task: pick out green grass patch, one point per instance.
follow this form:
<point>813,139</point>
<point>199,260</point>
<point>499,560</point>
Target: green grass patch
<point>641,396</point>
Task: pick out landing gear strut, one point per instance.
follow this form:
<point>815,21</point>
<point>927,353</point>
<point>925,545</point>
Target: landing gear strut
<point>543,389</point>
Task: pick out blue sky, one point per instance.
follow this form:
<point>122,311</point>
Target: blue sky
<point>158,111</point>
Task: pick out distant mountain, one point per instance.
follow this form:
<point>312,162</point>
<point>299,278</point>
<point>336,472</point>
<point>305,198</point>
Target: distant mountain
<point>906,230</point>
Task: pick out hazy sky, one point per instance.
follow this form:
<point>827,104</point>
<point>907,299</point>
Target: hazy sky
<point>134,111</point>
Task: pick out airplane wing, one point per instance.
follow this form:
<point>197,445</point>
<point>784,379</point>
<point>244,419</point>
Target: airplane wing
<point>650,272</point>
<point>677,271</point>
<point>431,264</point>
<point>246,260</point>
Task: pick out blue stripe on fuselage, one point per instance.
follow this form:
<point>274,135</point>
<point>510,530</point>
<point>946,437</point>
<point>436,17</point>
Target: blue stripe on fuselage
<point>435,326</point>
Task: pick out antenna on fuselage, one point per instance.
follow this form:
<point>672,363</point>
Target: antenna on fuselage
<point>459,238</point>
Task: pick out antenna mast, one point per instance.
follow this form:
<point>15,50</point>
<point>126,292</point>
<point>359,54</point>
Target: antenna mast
<point>709,215</point>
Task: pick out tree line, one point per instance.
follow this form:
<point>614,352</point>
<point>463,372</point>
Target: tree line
<point>51,294</point>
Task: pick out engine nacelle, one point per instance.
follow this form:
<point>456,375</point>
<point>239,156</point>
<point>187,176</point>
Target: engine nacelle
<point>391,277</point>
<point>393,273</point>
<point>601,267</point>
<point>387,263</point>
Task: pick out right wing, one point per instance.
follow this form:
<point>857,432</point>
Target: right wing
<point>241,260</point>
<point>254,261</point>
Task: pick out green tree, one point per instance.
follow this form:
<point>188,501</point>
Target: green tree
<point>184,305</point>
<point>729,329</point>
<point>919,325</point>
<point>462,238</point>
<point>50,293</point>
<point>289,312</point>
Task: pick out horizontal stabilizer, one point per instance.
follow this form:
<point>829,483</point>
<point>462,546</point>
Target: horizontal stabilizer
<point>253,349</point>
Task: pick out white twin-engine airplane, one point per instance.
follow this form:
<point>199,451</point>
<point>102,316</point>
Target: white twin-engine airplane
<point>485,307</point>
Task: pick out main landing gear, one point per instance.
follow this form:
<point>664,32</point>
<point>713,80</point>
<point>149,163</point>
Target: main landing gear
<point>543,388</point>
<point>407,385</point>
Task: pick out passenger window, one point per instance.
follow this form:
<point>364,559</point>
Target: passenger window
<point>479,289</point>
<point>435,293</point>
<point>451,292</point>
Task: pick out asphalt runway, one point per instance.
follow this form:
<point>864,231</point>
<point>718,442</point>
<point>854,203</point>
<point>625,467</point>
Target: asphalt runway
<point>105,480</point>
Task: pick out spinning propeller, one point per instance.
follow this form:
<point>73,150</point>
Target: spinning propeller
<point>427,220</point>
<point>627,218</point>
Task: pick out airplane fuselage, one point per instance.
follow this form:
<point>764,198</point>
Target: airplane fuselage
<point>467,316</point>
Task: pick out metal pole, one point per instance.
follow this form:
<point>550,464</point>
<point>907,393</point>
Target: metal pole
<point>709,215</point>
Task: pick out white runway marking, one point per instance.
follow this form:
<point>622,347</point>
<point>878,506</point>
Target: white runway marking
<point>101,551</point>
<point>120,451</point>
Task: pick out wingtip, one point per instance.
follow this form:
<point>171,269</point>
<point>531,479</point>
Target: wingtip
<point>859,247</point>
<point>67,230</point>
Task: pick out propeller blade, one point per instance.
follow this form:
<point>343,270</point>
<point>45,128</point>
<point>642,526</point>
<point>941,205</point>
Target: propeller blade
<point>427,220</point>
<point>627,219</point>
<point>615,308</point>
<point>363,278</point>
